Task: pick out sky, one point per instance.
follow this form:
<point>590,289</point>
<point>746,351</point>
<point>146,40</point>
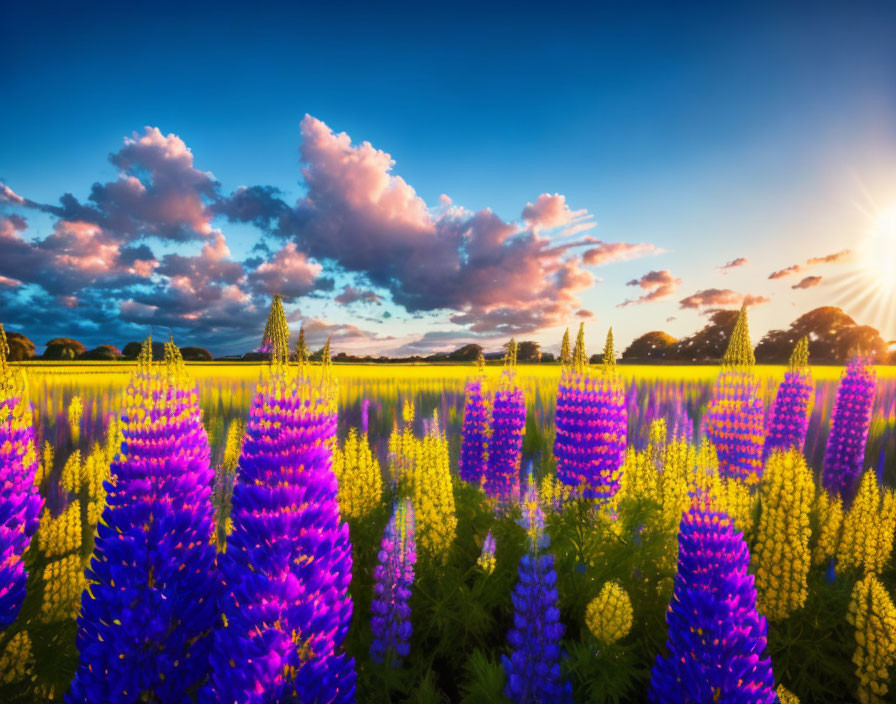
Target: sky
<point>410,178</point>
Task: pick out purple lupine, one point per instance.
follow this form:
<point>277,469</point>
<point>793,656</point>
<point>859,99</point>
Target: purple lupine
<point>393,578</point>
<point>502,470</point>
<point>591,424</point>
<point>850,420</point>
<point>789,417</point>
<point>285,575</point>
<point>717,639</point>
<point>474,445</point>
<point>144,632</point>
<point>20,503</point>
<point>533,668</point>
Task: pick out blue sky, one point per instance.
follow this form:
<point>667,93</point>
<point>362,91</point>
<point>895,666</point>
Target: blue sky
<point>753,131</point>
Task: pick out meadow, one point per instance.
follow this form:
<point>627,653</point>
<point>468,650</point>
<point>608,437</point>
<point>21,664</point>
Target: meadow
<point>460,587</point>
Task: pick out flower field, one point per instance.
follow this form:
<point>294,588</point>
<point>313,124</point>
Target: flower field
<point>297,532</point>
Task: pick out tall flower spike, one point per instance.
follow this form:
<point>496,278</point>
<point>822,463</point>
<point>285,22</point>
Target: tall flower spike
<point>591,424</point>
<point>285,575</point>
<point>301,350</point>
<point>579,358</point>
<point>735,417</point>
<point>789,418</point>
<point>716,639</point>
<point>565,356</point>
<point>358,473</point>
<point>872,613</point>
<point>609,358</point>
<point>474,433</point>
<point>393,579</point>
<point>609,615</point>
<point>506,438</point>
<point>275,338</point>
<point>486,560</point>
<point>146,619</point>
<point>850,420</point>
<point>433,494</point>
<point>20,503</point>
<point>533,667</point>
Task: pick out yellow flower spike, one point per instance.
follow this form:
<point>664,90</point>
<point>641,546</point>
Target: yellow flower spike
<point>73,473</point>
<point>781,555</point>
<point>785,696</point>
<point>829,512</point>
<point>609,614</point>
<point>60,535</point>
<point>359,476</point>
<point>868,528</point>
<point>17,660</point>
<point>64,581</point>
<point>433,495</point>
<point>75,412</point>
<point>873,615</point>
<point>46,464</point>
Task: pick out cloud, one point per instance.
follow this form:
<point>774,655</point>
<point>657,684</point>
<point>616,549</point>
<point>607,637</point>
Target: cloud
<point>550,211</point>
<point>658,284</point>
<point>7,195</point>
<point>715,297</point>
<point>289,274</point>
<point>609,252</point>
<point>584,313</point>
<point>808,282</point>
<point>781,273</point>
<point>842,255</point>
<point>733,264</point>
<point>350,295</point>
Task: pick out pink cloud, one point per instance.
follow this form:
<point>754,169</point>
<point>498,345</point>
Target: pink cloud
<point>842,255</point>
<point>808,282</point>
<point>781,273</point>
<point>658,284</point>
<point>609,252</point>
<point>550,211</point>
<point>289,273</point>
<point>351,295</point>
<point>8,282</point>
<point>733,264</point>
<point>714,297</point>
<point>7,195</point>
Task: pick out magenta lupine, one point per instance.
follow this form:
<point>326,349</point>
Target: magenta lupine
<point>716,639</point>
<point>735,417</point>
<point>850,420</point>
<point>144,631</point>
<point>508,424</point>
<point>20,504</point>
<point>285,575</point>
<point>789,417</point>
<point>393,578</point>
<point>591,424</point>
<point>474,445</point>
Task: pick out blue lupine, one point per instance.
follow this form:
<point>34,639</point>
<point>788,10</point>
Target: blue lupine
<point>393,579</point>
<point>474,444</point>
<point>502,471</point>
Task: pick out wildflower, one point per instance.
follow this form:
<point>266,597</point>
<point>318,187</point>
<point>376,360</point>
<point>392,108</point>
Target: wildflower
<point>474,447</point>
<point>533,668</point>
<point>285,574</point>
<point>868,527</point>
<point>96,473</point>
<point>393,577</point>
<point>486,560</point>
<point>17,660</point>
<point>829,510</point>
<point>553,492</point>
<point>64,581</point>
<point>678,459</point>
<point>785,696</point>
<point>872,613</point>
<point>145,621</point>
<point>716,638</point>
<point>275,339</point>
<point>734,419</point>
<point>75,411</point>
<point>60,535</point>
<point>609,614</point>
<point>508,426</point>
<point>20,503</point>
<point>433,494</point>
<point>591,424</point>
<point>850,420</point>
<point>359,476</point>
<point>781,556</point>
<point>73,473</point>
<point>789,417</point>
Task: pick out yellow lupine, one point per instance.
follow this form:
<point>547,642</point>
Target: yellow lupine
<point>75,411</point>
<point>868,527</point>
<point>359,476</point>
<point>46,465</point>
<point>829,512</point>
<point>233,445</point>
<point>73,473</point>
<point>609,614</point>
<point>64,581</point>
<point>433,495</point>
<point>678,461</point>
<point>872,613</point>
<point>781,555</point>
<point>706,469</point>
<point>96,471</point>
<point>785,696</point>
<point>17,660</point>
<point>60,535</point>
<point>552,492</point>
<point>640,479</point>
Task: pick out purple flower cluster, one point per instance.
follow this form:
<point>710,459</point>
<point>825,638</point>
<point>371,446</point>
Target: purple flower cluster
<point>20,503</point>
<point>716,641</point>
<point>474,446</point>
<point>394,576</point>
<point>850,421</point>
<point>734,422</point>
<point>533,667</point>
<point>146,621</point>
<point>287,568</point>
<point>789,417</point>
<point>502,473</point>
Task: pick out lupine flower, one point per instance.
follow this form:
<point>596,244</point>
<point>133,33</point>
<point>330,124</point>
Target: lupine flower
<point>591,424</point>
<point>553,493</point>
<point>609,614</point>
<point>533,668</point>
<point>64,582</point>
<point>678,460</point>
<point>225,478</point>
<point>734,419</point>
<point>359,476</point>
<point>20,504</point>
<point>850,420</point>
<point>393,579</point>
<point>868,527</point>
<point>433,494</point>
<point>72,473</point>
<point>402,446</point>
<point>62,534</point>
<point>789,417</point>
<point>75,411</point>
<point>506,441</point>
<point>146,619</point>
<point>785,696</point>
<point>716,641</point>
<point>486,560</point>
<point>275,338</point>
<point>474,446</point>
<point>781,557</point>
<point>872,613</point>
<point>829,510</point>
<point>285,575</point>
<point>17,660</point>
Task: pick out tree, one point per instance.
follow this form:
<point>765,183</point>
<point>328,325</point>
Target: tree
<point>105,353</point>
<point>132,350</point>
<point>527,352</point>
<point>195,354</point>
<point>467,353</point>
<point>60,348</point>
<point>651,345</point>
<point>833,337</point>
<point>710,343</point>
<point>20,347</point>
<point>548,358</point>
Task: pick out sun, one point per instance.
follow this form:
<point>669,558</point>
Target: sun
<point>880,253</point>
